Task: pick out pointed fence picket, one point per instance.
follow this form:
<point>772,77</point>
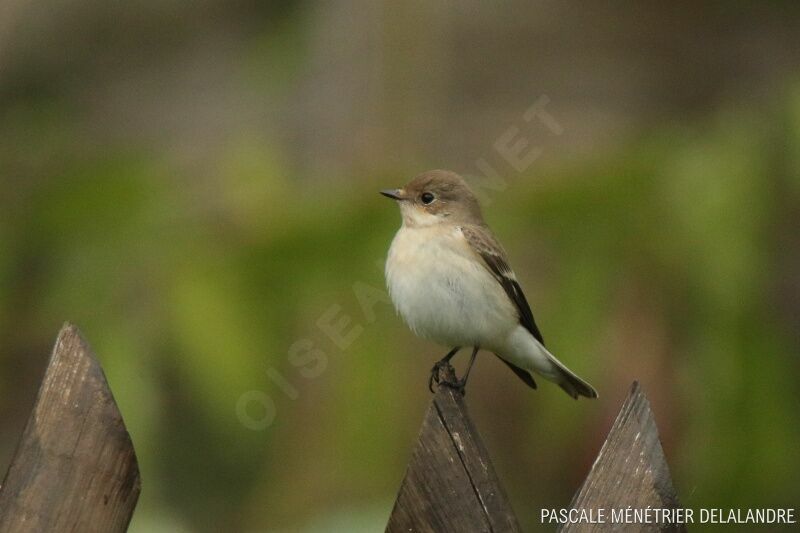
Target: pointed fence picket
<point>450,484</point>
<point>75,468</point>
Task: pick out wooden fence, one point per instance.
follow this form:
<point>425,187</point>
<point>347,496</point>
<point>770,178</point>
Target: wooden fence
<point>450,484</point>
<point>75,468</point>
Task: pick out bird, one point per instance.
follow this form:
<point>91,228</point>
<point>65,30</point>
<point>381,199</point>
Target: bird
<point>449,279</point>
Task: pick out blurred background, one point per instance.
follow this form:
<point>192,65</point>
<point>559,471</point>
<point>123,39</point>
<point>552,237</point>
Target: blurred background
<point>195,185</point>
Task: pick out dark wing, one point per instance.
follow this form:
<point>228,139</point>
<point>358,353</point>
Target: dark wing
<point>524,375</point>
<point>489,250</point>
<point>486,246</point>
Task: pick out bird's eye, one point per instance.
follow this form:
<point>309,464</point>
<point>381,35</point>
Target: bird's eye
<point>427,198</point>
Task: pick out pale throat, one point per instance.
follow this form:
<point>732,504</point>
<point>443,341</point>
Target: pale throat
<point>414,216</point>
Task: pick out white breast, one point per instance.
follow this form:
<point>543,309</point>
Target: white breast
<point>443,291</point>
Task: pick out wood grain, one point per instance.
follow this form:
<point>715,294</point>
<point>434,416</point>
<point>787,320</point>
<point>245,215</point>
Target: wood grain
<point>75,468</point>
<point>450,484</point>
<point>630,470</point>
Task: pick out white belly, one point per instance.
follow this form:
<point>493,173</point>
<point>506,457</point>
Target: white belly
<point>443,292</point>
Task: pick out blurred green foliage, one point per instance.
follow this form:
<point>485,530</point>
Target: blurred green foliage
<point>658,262</point>
<point>671,259</point>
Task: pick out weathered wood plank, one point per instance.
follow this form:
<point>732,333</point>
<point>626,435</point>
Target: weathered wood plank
<point>450,484</point>
<point>75,468</point>
<point>630,470</point>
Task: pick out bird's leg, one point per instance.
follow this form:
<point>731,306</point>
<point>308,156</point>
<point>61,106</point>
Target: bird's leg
<point>439,364</point>
<point>463,381</point>
<point>461,384</point>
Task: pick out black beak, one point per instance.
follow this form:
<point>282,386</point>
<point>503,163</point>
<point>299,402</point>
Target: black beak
<point>394,194</point>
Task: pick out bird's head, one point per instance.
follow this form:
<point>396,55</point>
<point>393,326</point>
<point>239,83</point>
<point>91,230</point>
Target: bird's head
<point>436,197</point>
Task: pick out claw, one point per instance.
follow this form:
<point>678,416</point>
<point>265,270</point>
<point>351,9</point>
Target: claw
<point>435,374</point>
<point>431,380</point>
<point>444,362</point>
<point>458,385</point>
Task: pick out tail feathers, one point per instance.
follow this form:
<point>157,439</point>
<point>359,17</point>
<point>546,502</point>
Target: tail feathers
<point>575,386</point>
<point>570,382</point>
<point>530,355</point>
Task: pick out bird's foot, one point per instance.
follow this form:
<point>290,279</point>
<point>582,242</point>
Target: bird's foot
<point>434,377</point>
<point>459,385</point>
<point>443,367</point>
